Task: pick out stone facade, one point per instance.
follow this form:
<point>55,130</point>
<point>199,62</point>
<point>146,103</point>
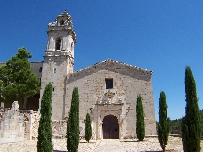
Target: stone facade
<point>120,100</point>
<point>106,88</point>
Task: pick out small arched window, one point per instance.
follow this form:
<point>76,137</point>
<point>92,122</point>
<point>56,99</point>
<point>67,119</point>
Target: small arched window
<point>58,43</point>
<point>72,46</point>
<point>54,70</point>
<point>62,22</point>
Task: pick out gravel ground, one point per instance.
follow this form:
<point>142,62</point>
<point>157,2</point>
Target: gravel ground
<point>109,145</point>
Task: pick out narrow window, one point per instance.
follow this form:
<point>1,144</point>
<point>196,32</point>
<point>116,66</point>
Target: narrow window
<point>54,70</point>
<point>72,46</point>
<point>53,89</point>
<point>61,22</point>
<point>58,43</point>
<point>40,82</point>
<point>109,83</point>
<point>40,69</point>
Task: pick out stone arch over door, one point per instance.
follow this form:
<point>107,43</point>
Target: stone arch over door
<point>110,127</point>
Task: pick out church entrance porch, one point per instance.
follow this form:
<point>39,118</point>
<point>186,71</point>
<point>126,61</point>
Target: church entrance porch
<point>110,127</point>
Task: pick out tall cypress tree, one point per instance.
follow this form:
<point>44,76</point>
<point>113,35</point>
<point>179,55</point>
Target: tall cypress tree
<point>73,123</point>
<point>88,128</point>
<point>140,125</point>
<point>44,143</point>
<point>191,127</point>
<point>164,122</point>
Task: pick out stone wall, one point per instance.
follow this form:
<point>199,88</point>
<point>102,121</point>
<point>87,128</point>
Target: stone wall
<point>31,120</point>
<point>19,125</point>
<point>57,78</point>
<point>37,68</point>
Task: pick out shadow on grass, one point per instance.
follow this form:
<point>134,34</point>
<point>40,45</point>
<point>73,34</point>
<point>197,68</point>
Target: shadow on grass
<point>59,151</point>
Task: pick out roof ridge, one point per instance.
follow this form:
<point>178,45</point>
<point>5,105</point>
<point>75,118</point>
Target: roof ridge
<point>114,61</point>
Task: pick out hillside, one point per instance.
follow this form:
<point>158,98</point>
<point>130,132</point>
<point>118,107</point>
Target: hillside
<point>176,124</point>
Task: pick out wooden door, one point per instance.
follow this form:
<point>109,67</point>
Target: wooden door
<point>110,127</point>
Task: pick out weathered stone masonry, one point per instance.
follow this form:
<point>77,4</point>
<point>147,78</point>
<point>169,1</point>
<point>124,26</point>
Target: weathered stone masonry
<point>128,83</point>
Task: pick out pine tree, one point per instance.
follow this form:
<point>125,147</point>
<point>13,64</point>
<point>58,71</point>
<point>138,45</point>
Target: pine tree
<point>140,125</point>
<point>73,123</point>
<point>44,143</point>
<point>164,122</point>
<point>88,128</point>
<point>191,127</point>
<point>17,80</point>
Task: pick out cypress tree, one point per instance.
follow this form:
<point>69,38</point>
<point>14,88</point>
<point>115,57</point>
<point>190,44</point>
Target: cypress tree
<point>44,143</point>
<point>163,127</point>
<point>88,128</point>
<point>191,127</point>
<point>73,123</point>
<point>140,125</point>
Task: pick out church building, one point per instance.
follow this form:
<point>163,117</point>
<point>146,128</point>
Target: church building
<point>108,90</point>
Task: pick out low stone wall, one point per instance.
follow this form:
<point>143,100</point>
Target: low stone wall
<point>59,128</point>
<point>29,122</point>
<point>11,124</point>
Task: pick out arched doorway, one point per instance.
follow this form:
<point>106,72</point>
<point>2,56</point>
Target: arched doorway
<point>110,127</point>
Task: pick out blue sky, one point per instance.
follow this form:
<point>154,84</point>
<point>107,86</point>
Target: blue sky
<point>162,36</point>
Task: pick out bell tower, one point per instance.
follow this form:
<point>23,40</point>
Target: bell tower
<point>58,61</point>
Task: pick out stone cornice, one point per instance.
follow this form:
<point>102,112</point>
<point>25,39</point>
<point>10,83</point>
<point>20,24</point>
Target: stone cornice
<point>109,61</point>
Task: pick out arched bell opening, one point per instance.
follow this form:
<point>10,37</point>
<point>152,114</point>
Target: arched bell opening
<point>58,43</point>
<point>62,22</point>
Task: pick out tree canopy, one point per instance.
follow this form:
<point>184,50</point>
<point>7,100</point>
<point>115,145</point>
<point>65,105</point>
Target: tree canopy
<point>17,81</point>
